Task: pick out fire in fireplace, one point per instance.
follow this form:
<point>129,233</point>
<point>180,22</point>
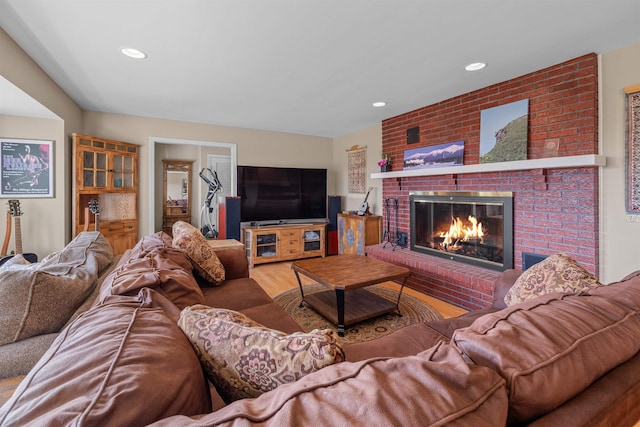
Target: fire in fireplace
<point>475,228</point>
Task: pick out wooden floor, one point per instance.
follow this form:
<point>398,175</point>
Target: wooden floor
<point>278,277</point>
<point>7,387</point>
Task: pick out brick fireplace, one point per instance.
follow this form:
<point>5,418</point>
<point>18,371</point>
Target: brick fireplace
<point>555,209</point>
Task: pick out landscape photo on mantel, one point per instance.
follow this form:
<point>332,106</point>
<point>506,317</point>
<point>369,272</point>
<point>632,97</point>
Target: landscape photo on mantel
<point>503,132</point>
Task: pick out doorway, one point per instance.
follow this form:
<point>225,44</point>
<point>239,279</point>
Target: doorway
<point>202,161</point>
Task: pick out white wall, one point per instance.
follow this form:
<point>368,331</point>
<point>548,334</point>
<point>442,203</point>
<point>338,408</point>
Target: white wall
<point>371,138</point>
<point>619,253</point>
<point>255,147</point>
<point>50,228</point>
<point>40,234</point>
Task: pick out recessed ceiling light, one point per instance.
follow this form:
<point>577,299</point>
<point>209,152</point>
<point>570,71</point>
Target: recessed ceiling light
<point>133,53</point>
<point>475,66</point>
<point>379,104</point>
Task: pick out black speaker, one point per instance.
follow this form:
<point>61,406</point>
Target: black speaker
<point>413,135</point>
<point>232,218</point>
<point>334,207</point>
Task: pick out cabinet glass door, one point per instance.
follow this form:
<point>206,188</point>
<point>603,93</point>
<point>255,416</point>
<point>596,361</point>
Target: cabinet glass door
<point>311,240</point>
<point>266,245</point>
<point>94,169</point>
<point>122,171</point>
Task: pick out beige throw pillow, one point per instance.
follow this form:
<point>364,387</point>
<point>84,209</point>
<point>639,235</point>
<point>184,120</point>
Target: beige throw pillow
<point>204,259</point>
<point>245,359</point>
<point>556,273</point>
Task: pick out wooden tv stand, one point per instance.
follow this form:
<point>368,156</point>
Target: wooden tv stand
<point>283,242</point>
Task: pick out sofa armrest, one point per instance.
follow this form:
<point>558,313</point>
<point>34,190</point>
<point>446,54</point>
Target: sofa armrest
<point>503,284</point>
<point>234,260</point>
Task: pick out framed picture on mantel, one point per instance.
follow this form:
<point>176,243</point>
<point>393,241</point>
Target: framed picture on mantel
<point>503,132</point>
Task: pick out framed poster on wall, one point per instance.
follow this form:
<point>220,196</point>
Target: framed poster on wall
<point>632,94</point>
<point>27,168</point>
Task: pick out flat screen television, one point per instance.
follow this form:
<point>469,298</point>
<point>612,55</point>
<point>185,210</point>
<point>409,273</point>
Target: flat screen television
<point>275,194</point>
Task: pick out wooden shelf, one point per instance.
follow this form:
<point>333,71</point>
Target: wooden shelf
<point>283,242</point>
<point>362,305</point>
<point>586,160</point>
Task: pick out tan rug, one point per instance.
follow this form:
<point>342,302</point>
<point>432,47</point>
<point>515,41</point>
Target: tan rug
<point>413,311</point>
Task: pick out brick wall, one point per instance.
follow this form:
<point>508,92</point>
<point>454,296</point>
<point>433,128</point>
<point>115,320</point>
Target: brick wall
<point>554,209</point>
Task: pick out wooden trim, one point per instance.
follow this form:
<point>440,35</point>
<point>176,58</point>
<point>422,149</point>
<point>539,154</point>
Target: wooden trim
<point>585,160</point>
<point>632,89</point>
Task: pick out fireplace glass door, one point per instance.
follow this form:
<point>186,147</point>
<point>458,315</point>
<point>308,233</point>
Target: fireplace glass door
<point>475,228</point>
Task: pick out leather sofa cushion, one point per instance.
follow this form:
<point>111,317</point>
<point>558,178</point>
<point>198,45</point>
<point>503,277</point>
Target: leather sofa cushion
<point>272,316</point>
<point>407,341</point>
<point>234,260</point>
<point>39,298</point>
<point>236,294</point>
<point>626,292</point>
<point>435,387</point>
<point>448,326</point>
<point>534,345</point>
<point>246,296</point>
<point>123,363</point>
<point>154,264</point>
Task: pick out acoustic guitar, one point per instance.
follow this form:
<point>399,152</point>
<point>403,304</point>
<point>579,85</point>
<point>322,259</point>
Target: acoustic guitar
<point>364,207</point>
<point>94,208</point>
<point>15,212</point>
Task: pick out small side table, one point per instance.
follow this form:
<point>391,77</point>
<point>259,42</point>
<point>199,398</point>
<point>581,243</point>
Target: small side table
<point>225,243</point>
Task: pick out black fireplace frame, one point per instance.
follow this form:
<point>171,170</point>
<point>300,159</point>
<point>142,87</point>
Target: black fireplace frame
<point>502,197</point>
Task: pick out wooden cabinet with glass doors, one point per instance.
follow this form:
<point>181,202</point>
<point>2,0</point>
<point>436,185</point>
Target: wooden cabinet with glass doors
<point>106,189</point>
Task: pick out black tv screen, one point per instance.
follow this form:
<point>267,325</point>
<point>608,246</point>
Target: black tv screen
<point>281,194</point>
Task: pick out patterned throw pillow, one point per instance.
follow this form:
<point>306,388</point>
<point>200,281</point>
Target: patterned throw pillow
<point>245,359</point>
<point>204,259</point>
<point>557,273</point>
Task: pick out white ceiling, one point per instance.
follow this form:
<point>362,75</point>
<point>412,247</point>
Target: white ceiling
<point>311,67</point>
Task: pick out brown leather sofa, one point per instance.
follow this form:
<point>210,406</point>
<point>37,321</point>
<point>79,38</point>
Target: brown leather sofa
<point>559,360</point>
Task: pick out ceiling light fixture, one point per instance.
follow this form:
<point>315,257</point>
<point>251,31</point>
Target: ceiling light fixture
<point>378,104</point>
<point>475,66</point>
<point>133,53</point>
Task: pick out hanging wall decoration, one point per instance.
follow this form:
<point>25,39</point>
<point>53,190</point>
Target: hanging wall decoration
<point>27,168</point>
<point>357,169</point>
<point>633,149</point>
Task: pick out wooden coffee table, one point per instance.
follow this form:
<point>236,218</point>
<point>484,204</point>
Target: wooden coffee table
<point>346,301</point>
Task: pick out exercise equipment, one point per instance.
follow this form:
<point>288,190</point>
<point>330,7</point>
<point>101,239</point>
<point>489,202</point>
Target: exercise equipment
<point>215,186</point>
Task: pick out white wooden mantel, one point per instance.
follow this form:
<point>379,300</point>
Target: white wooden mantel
<point>585,160</point>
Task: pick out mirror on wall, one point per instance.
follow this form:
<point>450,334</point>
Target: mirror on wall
<point>177,193</point>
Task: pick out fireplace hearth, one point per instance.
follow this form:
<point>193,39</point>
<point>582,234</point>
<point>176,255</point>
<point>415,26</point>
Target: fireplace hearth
<point>474,228</point>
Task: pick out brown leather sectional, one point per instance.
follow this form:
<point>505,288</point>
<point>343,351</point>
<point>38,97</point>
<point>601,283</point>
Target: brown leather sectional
<point>557,360</point>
